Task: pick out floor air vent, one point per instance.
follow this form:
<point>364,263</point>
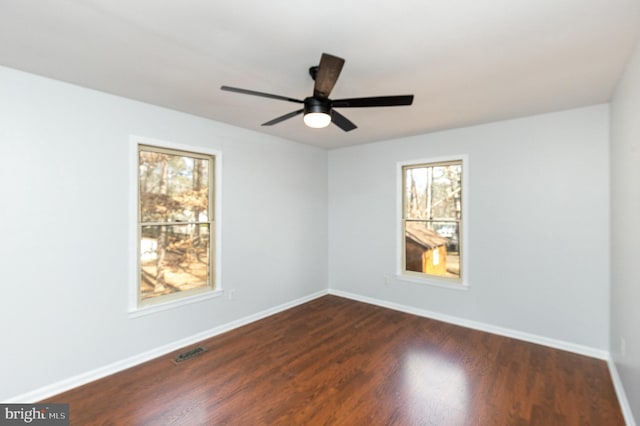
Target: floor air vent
<point>191,353</point>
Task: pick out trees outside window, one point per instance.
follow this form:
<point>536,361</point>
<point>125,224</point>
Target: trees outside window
<point>175,223</point>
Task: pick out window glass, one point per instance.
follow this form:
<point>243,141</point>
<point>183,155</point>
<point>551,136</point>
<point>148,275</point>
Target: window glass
<point>175,222</point>
<point>432,218</point>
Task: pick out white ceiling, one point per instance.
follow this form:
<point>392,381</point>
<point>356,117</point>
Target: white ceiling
<point>466,61</point>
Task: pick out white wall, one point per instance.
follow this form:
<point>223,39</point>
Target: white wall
<point>538,195</point>
<point>64,228</point>
<point>625,230</point>
<point>538,224</point>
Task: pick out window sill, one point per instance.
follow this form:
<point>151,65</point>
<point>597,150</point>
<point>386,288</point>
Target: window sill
<point>171,304</point>
<point>432,282</point>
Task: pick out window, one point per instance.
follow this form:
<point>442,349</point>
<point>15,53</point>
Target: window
<point>176,224</point>
<point>432,215</point>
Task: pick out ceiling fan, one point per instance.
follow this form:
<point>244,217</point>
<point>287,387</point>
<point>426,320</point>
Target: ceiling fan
<point>319,109</point>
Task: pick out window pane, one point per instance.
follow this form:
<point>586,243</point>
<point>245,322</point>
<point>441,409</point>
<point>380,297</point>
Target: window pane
<point>416,194</point>
<point>432,207</point>
<point>173,188</point>
<point>445,192</point>
<point>173,258</point>
<point>433,192</point>
<point>433,248</point>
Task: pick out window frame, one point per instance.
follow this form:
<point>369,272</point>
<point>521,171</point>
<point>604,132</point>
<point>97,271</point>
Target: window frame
<point>138,307</point>
<point>461,283</point>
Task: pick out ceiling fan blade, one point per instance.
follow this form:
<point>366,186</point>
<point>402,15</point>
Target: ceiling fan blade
<point>341,121</point>
<point>264,95</point>
<point>376,101</point>
<point>283,117</point>
<point>327,75</point>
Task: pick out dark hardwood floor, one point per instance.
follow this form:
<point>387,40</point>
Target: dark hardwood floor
<point>335,361</point>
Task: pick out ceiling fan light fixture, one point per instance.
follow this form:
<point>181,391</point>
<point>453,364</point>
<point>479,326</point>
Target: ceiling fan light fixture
<point>317,112</point>
<point>317,120</point>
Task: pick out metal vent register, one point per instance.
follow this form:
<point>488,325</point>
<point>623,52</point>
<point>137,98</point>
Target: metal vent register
<point>191,353</point>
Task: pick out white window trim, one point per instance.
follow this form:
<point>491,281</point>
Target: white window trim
<point>433,280</point>
<point>135,310</point>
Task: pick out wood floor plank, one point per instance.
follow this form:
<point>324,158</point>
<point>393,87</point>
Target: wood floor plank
<point>336,361</point>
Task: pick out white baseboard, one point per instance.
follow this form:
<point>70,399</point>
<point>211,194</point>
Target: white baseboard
<point>515,334</point>
<point>622,396</point>
<point>98,373</point>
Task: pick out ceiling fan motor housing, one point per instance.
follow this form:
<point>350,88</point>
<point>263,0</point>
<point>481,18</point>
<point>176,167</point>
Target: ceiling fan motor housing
<point>316,105</point>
